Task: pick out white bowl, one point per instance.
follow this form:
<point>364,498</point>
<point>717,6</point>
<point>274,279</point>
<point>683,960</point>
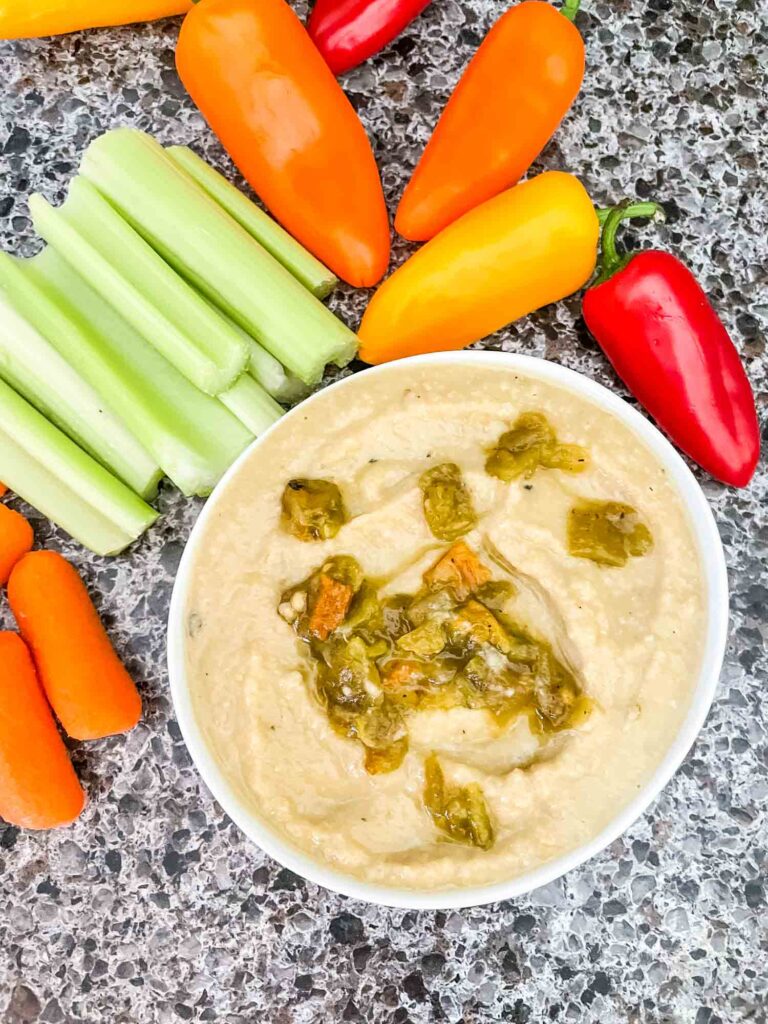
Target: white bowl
<point>715,582</point>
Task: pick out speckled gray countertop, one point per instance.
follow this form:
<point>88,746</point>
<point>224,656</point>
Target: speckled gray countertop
<point>154,908</point>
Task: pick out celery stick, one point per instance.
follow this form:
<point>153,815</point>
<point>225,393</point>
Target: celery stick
<point>252,405</point>
<point>259,225</point>
<point>268,371</point>
<point>120,265</point>
<point>34,368</point>
<point>48,470</point>
<point>273,377</point>
<point>214,253</point>
<point>191,435</point>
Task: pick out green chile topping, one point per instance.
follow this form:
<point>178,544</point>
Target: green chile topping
<point>530,445</point>
<point>607,532</point>
<point>459,812</point>
<point>313,509</point>
<point>447,502</point>
<point>378,660</point>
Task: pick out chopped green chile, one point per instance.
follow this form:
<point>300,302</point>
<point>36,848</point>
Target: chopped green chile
<point>459,812</point>
<point>424,641</point>
<point>299,604</point>
<point>607,532</point>
<point>447,502</point>
<point>532,444</point>
<point>496,594</point>
<point>313,510</point>
<point>378,660</point>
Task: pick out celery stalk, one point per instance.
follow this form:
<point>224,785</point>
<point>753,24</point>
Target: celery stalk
<point>124,269</point>
<point>273,377</point>
<point>251,404</point>
<point>48,470</point>
<point>259,225</point>
<point>191,435</point>
<point>31,365</point>
<point>210,250</point>
<point>268,371</point>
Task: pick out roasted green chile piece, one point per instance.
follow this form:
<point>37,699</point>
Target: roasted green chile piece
<point>491,683</point>
<point>426,640</point>
<point>560,703</point>
<point>532,444</point>
<point>421,684</point>
<point>348,686</point>
<point>382,732</point>
<point>448,505</point>
<point>313,510</point>
<point>320,604</point>
<point>459,812</point>
<point>377,621</point>
<point>347,679</point>
<point>496,594</point>
<point>607,532</point>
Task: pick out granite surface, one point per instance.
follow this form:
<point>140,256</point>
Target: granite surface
<point>154,908</point>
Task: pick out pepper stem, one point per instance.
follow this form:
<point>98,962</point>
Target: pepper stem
<point>610,260</point>
<point>570,9</point>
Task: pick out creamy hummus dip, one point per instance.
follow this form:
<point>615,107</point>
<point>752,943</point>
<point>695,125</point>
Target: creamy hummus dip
<point>631,634</point>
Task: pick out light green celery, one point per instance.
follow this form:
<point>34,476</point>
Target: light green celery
<point>273,377</point>
<point>212,251</point>
<point>191,435</point>
<point>252,405</point>
<point>34,368</point>
<point>48,470</point>
<point>259,225</point>
<point>270,372</point>
<point>126,271</point>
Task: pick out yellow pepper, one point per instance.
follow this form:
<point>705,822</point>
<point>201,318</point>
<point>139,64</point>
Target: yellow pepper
<point>27,19</point>
<point>529,246</point>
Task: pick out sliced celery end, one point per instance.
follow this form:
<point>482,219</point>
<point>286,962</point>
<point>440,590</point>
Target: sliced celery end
<point>34,368</point>
<point>211,251</point>
<point>192,436</point>
<point>305,267</point>
<point>128,274</point>
<point>48,470</point>
<point>255,409</point>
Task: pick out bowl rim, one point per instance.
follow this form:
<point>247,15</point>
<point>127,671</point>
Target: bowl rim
<point>714,574</point>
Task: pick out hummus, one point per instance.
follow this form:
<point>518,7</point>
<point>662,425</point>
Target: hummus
<point>631,634</point>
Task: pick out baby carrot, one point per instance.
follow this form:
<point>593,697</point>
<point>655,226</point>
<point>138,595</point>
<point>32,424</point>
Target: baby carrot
<point>88,687</point>
<point>38,785</point>
<point>3,489</point>
<point>15,540</point>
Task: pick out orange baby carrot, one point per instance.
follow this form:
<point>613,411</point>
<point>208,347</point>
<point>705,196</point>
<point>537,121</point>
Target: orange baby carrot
<point>3,489</point>
<point>15,540</point>
<point>38,785</point>
<point>87,685</point>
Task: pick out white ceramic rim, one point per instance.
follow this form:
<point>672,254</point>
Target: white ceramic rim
<point>716,583</point>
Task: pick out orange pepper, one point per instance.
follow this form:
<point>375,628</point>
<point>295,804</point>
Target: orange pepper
<point>264,88</point>
<point>512,96</point>
<point>27,19</point>
<point>529,246</point>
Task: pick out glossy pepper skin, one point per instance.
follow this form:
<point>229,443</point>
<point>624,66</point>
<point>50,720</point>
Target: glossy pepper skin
<point>261,84</point>
<point>529,246</point>
<point>29,19</point>
<point>348,32</point>
<point>507,105</point>
<point>666,342</point>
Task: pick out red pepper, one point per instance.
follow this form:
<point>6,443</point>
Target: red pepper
<point>347,32</point>
<point>668,345</point>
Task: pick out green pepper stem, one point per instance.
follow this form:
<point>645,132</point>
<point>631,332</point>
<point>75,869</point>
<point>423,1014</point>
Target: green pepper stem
<point>570,9</point>
<point>610,260</point>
